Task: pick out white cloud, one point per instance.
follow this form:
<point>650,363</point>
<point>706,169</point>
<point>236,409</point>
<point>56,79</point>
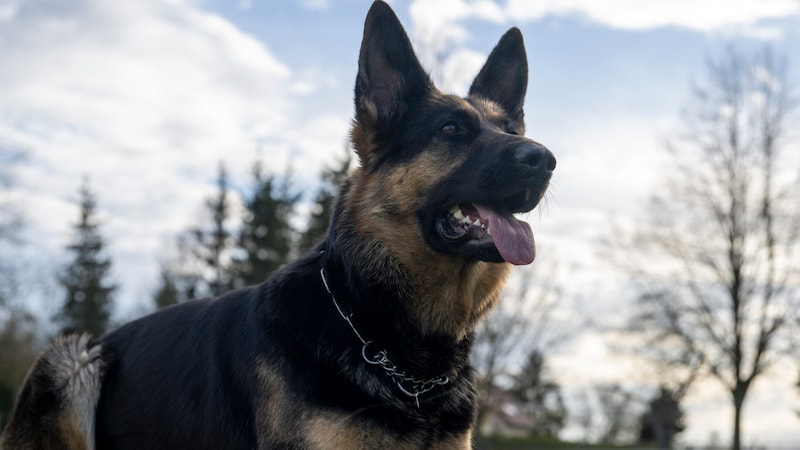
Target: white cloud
<point>439,34</point>
<point>8,10</point>
<point>456,72</point>
<point>435,25</point>
<point>699,15</point>
<point>315,5</point>
<point>144,97</point>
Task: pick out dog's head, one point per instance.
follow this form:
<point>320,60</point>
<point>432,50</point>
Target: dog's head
<point>439,171</point>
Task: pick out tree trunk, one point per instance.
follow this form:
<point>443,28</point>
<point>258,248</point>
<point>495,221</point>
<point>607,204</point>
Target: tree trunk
<point>738,402</point>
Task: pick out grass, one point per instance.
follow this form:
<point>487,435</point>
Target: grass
<point>538,443</point>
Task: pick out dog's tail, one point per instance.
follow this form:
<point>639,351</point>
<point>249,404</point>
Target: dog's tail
<point>55,408</point>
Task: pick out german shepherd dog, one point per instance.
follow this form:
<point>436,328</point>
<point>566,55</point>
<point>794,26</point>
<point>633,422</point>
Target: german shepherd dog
<point>364,342</point>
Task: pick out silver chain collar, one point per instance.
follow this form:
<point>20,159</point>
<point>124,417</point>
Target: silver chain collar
<point>408,384</point>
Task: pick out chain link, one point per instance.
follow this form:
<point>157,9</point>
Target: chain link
<point>417,388</point>
<point>381,358</point>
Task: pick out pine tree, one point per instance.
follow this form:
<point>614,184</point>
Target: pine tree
<point>318,222</point>
<point>209,246</point>
<point>266,239</point>
<point>663,420</point>
<point>167,293</point>
<point>541,396</point>
<point>89,292</point>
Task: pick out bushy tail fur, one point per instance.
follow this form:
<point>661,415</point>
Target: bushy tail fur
<point>55,408</point>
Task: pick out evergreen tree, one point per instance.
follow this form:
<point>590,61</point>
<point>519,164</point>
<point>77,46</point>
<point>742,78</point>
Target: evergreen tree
<point>89,293</point>
<point>541,396</point>
<point>266,238</point>
<point>167,293</point>
<point>209,246</point>
<point>662,420</point>
<point>318,222</point>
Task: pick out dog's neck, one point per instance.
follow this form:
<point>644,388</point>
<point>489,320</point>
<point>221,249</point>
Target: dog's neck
<point>373,354</point>
<point>377,310</point>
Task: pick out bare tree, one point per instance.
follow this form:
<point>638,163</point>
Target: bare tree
<point>583,414</point>
<point>722,239</point>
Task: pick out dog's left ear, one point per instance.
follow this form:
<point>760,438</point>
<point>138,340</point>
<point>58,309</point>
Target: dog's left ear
<point>504,77</point>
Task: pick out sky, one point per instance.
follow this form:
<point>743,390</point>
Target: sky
<point>146,97</point>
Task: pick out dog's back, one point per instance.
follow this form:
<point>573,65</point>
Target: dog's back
<point>56,407</point>
<point>179,378</point>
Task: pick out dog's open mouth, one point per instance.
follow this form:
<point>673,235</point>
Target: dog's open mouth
<point>482,224</point>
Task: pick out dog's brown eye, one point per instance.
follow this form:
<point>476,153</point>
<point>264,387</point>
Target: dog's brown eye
<point>449,129</point>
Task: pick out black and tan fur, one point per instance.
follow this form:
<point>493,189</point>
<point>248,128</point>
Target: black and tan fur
<point>275,366</point>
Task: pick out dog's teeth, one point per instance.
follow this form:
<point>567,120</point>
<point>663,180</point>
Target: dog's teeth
<point>477,222</point>
<point>458,214</point>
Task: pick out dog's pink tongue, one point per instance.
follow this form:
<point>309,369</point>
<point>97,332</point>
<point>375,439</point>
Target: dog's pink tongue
<point>513,238</point>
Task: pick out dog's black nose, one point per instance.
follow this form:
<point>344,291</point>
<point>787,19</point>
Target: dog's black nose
<point>536,156</point>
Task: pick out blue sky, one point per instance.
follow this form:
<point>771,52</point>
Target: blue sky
<point>146,97</point>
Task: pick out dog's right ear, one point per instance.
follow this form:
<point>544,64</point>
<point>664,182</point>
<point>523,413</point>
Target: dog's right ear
<point>389,73</point>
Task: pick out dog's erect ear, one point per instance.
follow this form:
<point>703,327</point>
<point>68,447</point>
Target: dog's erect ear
<point>388,70</point>
<point>504,77</point>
